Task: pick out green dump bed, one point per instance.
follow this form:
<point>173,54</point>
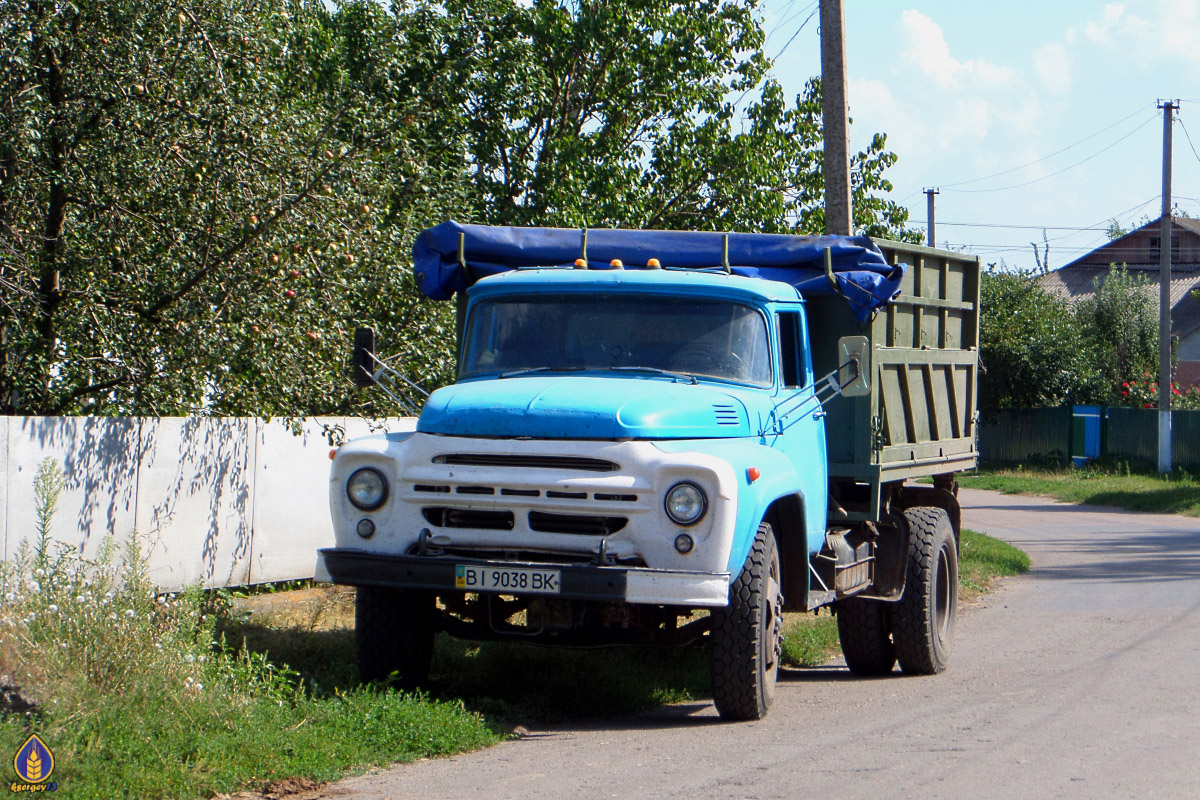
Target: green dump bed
<point>919,418</point>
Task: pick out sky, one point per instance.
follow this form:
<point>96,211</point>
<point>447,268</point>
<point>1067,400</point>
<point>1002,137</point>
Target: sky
<point>1026,115</point>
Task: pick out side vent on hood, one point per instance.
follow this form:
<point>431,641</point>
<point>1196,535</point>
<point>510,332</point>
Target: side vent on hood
<point>727,415</point>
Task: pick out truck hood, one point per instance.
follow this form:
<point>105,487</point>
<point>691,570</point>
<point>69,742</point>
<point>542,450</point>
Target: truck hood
<point>581,407</point>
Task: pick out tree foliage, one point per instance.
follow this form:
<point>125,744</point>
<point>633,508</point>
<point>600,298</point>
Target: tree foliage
<point>626,114</point>
<point>1032,348</point>
<point>1120,325</point>
<point>199,201</point>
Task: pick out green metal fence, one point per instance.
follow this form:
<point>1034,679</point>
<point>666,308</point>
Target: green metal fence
<point>1026,435</point>
<point>1033,434</point>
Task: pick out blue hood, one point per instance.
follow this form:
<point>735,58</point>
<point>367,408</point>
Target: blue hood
<point>579,407</point>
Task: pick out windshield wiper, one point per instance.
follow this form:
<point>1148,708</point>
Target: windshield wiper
<point>530,370</point>
<point>656,370</point>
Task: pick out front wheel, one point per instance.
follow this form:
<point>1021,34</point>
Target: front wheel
<point>923,619</point>
<point>747,635</point>
<point>393,635</point>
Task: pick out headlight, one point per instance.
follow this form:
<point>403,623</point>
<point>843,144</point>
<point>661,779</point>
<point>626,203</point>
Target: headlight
<point>367,489</point>
<point>686,503</point>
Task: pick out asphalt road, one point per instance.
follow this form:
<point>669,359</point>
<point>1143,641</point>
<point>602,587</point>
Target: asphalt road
<point>1077,680</point>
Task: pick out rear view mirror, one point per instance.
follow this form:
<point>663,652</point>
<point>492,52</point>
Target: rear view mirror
<point>362,363</point>
<point>854,366</point>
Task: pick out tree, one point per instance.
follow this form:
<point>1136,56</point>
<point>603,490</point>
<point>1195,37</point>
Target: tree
<point>1032,348</point>
<point>197,201</point>
<point>1120,323</point>
<point>624,114</point>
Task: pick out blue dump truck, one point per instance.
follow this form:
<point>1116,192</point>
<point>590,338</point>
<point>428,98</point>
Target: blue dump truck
<point>670,438</point>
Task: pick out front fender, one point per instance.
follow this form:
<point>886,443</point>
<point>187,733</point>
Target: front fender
<point>779,477</point>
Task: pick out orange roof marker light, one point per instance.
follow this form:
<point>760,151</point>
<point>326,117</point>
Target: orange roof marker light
<point>333,454</point>
<point>617,263</point>
<point>753,474</point>
<point>580,263</point>
<point>654,263</point>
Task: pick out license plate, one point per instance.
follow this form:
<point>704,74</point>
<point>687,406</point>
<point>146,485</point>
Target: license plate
<point>517,580</point>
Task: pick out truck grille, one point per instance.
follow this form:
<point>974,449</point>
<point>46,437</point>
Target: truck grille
<point>441,517</point>
<point>526,462</point>
<point>579,524</point>
<point>539,521</point>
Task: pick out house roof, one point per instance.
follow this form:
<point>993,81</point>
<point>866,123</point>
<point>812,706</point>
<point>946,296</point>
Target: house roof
<point>1077,280</point>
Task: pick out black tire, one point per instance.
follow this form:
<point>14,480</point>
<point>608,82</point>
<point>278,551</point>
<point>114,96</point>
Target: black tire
<point>393,635</point>
<point>866,635</point>
<point>747,634</point>
<point>923,619</point>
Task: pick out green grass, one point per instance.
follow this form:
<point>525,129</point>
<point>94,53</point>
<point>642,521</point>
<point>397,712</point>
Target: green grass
<point>983,559</point>
<point>1117,485</point>
<point>139,696</point>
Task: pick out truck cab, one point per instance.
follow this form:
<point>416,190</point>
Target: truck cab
<point>628,456</point>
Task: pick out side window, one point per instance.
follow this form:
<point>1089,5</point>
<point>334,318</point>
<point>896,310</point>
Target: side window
<point>789,349</point>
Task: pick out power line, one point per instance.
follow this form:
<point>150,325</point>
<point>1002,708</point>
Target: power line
<point>1139,110</point>
<point>797,33</point>
<point>1188,136</point>
<point>1064,169</point>
<point>1018,227</point>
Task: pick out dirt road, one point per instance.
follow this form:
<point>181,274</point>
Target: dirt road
<point>1078,680</point>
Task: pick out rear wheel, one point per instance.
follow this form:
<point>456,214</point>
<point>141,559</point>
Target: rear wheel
<point>393,633</point>
<point>746,635</point>
<point>866,636</point>
<point>923,619</point>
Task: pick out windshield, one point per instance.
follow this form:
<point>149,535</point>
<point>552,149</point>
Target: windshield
<point>706,338</point>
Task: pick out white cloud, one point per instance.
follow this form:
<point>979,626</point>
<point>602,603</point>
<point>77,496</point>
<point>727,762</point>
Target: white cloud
<point>927,49</point>
<point>1146,32</point>
<point>1053,67</point>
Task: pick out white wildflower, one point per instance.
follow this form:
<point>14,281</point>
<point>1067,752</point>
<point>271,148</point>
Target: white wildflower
<point>52,608</point>
<point>189,658</point>
<point>130,613</point>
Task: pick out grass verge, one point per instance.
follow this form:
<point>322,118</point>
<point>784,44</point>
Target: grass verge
<point>1116,485</point>
<point>144,695</point>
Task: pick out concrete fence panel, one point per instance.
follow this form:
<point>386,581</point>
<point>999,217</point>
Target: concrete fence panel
<point>215,501</point>
<point>99,461</point>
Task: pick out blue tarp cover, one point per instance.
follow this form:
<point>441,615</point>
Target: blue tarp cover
<point>863,276</point>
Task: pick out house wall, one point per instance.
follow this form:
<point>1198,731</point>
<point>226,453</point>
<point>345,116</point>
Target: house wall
<point>1135,248</point>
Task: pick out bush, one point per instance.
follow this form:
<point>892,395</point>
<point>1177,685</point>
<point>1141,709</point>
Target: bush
<point>1032,349</point>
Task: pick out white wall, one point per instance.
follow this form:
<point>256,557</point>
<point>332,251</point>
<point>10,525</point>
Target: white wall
<point>222,502</point>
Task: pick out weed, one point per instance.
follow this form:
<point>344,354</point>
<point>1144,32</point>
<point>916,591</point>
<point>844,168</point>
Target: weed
<point>139,694</point>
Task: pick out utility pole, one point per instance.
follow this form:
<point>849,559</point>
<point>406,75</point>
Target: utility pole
<point>931,223</point>
<point>1164,298</point>
<point>835,119</point>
